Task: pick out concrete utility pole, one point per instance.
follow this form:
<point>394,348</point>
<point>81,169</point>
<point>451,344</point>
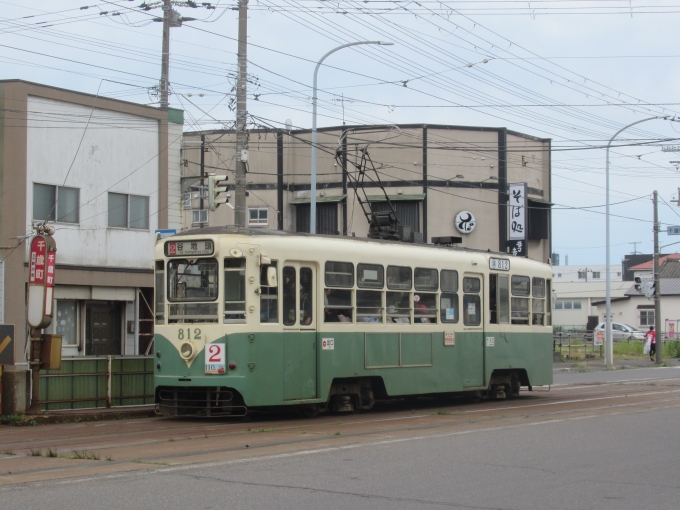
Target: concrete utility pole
<point>241,116</point>
<point>657,287</point>
<point>635,243</point>
<point>165,65</point>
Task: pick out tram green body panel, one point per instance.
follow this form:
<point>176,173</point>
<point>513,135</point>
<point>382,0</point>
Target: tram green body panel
<point>282,368</point>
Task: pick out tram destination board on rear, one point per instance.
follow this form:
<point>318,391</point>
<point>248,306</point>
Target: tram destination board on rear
<point>499,264</point>
<point>189,248</point>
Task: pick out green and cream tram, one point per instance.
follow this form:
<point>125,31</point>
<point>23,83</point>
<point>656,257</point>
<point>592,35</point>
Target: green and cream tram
<point>266,319</point>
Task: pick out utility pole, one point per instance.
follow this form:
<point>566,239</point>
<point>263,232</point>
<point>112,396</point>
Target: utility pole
<point>635,243</point>
<point>241,116</point>
<point>202,206</point>
<point>657,287</point>
<point>165,65</point>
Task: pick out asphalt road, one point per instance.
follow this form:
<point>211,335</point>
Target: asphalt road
<point>605,440</point>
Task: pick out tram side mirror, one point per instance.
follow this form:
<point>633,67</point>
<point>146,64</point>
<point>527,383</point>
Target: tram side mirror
<point>271,276</point>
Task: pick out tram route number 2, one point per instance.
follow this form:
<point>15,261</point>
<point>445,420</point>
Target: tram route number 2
<point>215,355</point>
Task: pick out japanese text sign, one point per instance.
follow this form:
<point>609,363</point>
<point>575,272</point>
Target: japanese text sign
<point>517,209</point>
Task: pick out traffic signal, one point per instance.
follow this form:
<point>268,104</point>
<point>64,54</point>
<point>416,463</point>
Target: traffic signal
<point>638,284</point>
<point>650,287</point>
<point>217,184</point>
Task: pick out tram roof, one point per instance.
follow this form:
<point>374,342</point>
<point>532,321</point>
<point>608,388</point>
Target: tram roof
<point>267,232</point>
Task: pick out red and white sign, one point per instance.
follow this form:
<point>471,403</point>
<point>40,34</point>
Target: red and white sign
<point>42,260</point>
<point>215,356</point>
<point>328,344</point>
<point>450,338</point>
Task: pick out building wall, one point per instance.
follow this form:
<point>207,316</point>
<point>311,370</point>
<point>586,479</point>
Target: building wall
<point>174,176</point>
<point>455,169</point>
<point>120,159</point>
<point>628,313</point>
<point>571,273</point>
<point>584,293</point>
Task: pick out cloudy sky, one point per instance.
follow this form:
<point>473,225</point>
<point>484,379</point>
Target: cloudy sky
<point>571,70</point>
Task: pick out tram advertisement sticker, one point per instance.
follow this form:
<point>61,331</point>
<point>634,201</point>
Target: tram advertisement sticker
<point>450,338</point>
<point>328,344</point>
<point>215,355</point>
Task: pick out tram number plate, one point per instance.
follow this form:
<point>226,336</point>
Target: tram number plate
<point>499,264</point>
<point>215,355</point>
<point>450,338</point>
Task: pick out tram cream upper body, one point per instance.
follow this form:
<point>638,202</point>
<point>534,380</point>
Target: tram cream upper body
<point>313,252</point>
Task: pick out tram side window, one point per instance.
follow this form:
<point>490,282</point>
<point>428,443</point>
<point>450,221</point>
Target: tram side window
<point>398,306</point>
<point>520,287</point>
<point>370,276</point>
<point>448,301</point>
<point>499,302</point>
<point>339,274</point>
<point>289,296</point>
<point>306,296</point>
<point>160,292</point>
<point>269,297</point>
<point>399,278</point>
<point>472,307</point>
<point>538,301</point>
<point>337,305</point>
<point>425,303</point>
<point>369,306</point>
<point>234,290</point>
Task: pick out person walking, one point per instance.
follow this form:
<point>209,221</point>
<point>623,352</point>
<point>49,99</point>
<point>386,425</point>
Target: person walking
<point>650,336</point>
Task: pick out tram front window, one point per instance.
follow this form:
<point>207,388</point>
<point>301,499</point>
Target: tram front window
<point>192,285</point>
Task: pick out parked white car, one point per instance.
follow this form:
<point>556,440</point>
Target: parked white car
<point>622,331</point>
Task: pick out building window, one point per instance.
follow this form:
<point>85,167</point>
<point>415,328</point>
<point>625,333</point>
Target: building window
<point>581,275</point>
<point>646,317</point>
<point>258,216</point>
<point>596,274</point>
<point>562,304</point>
<point>128,211</point>
<point>559,275</point>
<point>186,201</point>
<point>56,203</point>
<point>199,217</point>
<point>618,274</point>
<point>2,291</point>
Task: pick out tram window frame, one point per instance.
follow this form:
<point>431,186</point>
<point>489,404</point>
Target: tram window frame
<point>367,311</point>
<point>288,298</point>
<point>444,281</point>
<point>549,302</point>
<point>425,308</point>
<point>331,272</point>
<point>211,285</point>
<point>520,287</point>
<point>337,305</point>
<point>448,314</point>
<point>471,295</point>
<point>538,302</point>
<point>159,297</point>
<point>267,296</point>
<point>237,266</point>
<point>397,281</point>
<point>398,313</point>
<point>307,296</point>
<point>364,283</point>
<point>499,299</point>
<point>426,279</point>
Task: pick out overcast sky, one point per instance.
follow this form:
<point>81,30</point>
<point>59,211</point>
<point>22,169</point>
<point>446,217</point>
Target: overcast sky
<point>574,71</point>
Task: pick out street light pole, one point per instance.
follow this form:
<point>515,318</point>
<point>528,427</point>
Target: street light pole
<point>312,211</point>
<point>609,351</point>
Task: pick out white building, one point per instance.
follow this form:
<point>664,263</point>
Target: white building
<point>587,273</point>
<point>106,174</point>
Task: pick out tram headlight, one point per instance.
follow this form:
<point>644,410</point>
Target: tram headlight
<point>187,350</point>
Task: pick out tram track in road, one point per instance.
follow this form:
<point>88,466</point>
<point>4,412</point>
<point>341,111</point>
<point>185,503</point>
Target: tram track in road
<point>180,442</point>
<point>168,429</point>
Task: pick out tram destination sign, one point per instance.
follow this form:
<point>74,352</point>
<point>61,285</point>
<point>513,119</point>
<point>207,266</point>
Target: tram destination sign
<point>499,264</point>
<point>189,248</point>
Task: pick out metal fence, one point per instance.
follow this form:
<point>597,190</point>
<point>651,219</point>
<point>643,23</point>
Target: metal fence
<point>577,346</point>
<point>98,381</point>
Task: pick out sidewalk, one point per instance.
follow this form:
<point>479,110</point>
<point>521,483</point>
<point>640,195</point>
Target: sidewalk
<point>597,365</point>
<point>82,415</point>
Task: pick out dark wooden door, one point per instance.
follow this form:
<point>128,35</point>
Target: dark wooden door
<point>103,330</point>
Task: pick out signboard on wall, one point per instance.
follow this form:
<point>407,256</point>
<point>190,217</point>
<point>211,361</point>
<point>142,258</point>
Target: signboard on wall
<point>517,218</point>
<point>41,264</point>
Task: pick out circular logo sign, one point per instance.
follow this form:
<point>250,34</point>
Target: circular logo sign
<point>465,222</point>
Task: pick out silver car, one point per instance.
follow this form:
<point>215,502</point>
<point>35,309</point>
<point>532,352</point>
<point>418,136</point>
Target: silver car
<point>622,331</point>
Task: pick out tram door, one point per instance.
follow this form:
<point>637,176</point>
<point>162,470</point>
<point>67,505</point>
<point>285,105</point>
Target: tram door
<point>473,328</point>
<point>299,326</point>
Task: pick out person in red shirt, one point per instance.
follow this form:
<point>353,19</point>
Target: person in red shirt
<point>651,337</point>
